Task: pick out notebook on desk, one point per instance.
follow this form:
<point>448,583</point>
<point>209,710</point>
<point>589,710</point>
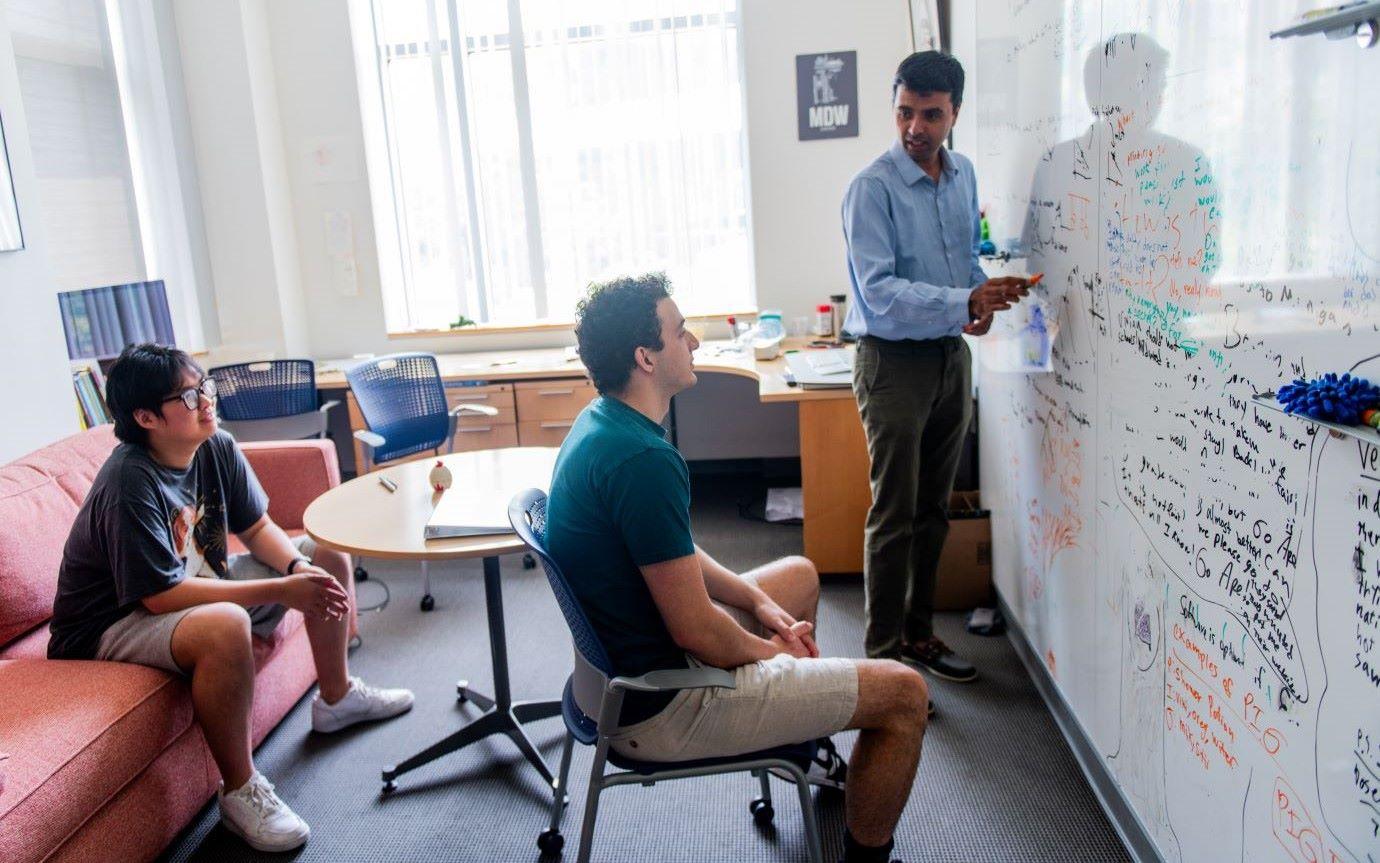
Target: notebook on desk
<point>828,369</point>
<point>461,513</point>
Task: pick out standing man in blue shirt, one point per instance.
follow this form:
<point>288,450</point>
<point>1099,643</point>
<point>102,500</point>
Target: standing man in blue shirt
<point>912,227</point>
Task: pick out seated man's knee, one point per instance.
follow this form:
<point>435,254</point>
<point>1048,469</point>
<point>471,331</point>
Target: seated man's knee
<point>804,570</point>
<point>337,563</point>
<point>910,695</point>
<point>218,629</point>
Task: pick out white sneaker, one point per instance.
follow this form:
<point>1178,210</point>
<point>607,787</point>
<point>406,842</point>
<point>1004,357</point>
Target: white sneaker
<point>361,703</point>
<point>257,815</point>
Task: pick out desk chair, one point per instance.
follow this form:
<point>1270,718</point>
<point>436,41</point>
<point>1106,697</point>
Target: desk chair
<point>271,400</point>
<point>403,402</point>
<point>593,699</point>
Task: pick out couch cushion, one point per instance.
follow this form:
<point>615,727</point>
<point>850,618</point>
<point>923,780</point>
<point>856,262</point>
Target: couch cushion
<point>39,498</point>
<point>74,461</point>
<point>31,645</point>
<point>35,517</point>
<point>76,733</point>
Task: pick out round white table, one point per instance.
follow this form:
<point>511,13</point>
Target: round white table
<point>365,518</point>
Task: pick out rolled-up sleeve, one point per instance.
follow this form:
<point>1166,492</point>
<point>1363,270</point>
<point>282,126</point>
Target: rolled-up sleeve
<point>870,234</point>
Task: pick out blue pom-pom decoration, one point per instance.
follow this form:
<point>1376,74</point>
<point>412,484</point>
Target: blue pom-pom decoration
<point>1334,398</point>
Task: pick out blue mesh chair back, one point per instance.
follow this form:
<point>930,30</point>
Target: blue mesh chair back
<point>402,399</point>
<point>527,512</point>
<point>265,390</point>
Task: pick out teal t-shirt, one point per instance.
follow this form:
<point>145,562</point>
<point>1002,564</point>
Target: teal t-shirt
<point>620,499</point>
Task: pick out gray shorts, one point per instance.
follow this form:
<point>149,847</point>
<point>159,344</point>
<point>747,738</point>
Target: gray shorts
<point>776,702</point>
<point>146,639</point>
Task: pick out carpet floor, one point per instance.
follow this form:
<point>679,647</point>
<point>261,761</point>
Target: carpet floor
<point>997,781</point>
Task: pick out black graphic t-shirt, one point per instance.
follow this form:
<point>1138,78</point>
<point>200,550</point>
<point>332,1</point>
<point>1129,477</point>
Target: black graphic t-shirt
<point>142,529</point>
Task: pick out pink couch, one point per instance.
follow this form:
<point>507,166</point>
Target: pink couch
<point>105,759</point>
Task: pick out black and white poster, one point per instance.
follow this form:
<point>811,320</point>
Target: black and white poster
<point>826,95</point>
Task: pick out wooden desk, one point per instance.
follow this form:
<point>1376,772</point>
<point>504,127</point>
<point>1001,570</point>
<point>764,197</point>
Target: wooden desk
<point>834,464</point>
<point>363,517</point>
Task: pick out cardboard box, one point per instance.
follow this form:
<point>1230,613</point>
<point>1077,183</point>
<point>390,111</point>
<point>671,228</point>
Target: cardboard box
<point>964,578</point>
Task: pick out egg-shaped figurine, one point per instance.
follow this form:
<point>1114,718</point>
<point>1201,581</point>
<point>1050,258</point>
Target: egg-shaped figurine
<point>440,477</point>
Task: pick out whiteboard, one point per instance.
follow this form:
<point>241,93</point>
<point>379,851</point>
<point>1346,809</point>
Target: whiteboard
<point>1200,575</point>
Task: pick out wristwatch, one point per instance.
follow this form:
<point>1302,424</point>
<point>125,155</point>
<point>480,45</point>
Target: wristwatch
<point>292,565</point>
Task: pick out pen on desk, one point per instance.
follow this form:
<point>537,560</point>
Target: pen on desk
<point>388,484</point>
<point>788,378</point>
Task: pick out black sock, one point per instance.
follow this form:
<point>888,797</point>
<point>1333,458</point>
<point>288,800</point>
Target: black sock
<point>856,852</point>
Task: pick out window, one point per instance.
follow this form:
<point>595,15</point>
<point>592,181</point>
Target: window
<point>566,142</point>
<point>101,110</point>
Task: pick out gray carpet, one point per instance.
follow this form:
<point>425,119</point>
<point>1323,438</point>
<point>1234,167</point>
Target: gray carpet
<point>996,783</point>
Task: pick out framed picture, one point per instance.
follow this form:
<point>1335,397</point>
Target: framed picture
<point>11,237</point>
<point>826,88</point>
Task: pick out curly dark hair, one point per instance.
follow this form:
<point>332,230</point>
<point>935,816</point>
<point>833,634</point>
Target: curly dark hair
<point>142,377</point>
<point>930,72</point>
<point>615,319</point>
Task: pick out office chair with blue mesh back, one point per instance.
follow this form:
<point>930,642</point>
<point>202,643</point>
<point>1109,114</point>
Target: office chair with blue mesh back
<point>593,700</point>
<point>403,401</point>
<point>270,400</point>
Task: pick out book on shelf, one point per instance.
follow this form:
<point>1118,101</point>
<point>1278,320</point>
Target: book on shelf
<point>89,398</point>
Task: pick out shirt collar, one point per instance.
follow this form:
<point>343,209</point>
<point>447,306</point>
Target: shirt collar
<point>912,173</point>
<point>627,413</point>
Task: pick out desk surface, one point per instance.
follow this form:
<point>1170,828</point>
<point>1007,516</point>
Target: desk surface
<point>516,365</point>
<point>363,517</point>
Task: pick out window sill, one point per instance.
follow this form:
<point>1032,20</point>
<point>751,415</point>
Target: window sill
<point>546,327</point>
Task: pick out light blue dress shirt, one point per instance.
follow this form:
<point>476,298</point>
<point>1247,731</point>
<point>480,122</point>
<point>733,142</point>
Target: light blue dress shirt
<point>912,247</point>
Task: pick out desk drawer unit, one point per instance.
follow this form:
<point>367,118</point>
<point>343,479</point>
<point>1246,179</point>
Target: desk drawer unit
<point>547,409</point>
<point>552,400</point>
<point>489,435</point>
<point>498,396</point>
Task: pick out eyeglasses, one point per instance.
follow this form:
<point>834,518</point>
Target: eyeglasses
<point>191,396</point>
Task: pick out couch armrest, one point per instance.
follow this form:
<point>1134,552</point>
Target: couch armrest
<point>293,473</point>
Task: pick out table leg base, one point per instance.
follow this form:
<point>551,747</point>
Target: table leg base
<point>496,721</point>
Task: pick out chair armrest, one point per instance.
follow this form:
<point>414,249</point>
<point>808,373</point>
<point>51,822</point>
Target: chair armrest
<point>671,679</point>
<point>327,405</point>
<point>369,439</point>
<point>293,473</point>
<point>474,410</point>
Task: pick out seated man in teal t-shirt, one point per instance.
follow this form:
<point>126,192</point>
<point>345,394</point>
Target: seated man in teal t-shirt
<point>618,523</point>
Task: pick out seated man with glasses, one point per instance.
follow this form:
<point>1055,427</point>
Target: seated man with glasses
<point>157,516</point>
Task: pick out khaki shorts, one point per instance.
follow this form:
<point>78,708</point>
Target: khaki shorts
<point>776,702</point>
<point>146,639</point>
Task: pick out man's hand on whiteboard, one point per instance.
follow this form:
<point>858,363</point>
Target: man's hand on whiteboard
<point>980,326</point>
<point>996,295</point>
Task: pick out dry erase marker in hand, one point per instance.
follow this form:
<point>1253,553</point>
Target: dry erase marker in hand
<point>1035,280</point>
<point>388,484</point>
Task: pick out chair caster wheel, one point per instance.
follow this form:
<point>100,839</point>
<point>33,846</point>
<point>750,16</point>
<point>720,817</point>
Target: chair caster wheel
<point>550,842</point>
<point>361,574</point>
<point>389,787</point>
<point>762,813</point>
<point>461,695</point>
<point>528,561</point>
<point>428,602</point>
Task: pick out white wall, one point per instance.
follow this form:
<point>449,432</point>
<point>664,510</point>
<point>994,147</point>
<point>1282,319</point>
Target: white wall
<point>37,402</point>
<point>796,186</point>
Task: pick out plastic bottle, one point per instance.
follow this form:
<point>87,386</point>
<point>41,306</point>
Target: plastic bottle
<point>824,320</point>
<point>769,325</point>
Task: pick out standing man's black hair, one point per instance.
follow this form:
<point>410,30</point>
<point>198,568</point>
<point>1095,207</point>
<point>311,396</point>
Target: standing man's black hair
<point>613,321</point>
<point>142,377</point>
<point>930,72</point>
